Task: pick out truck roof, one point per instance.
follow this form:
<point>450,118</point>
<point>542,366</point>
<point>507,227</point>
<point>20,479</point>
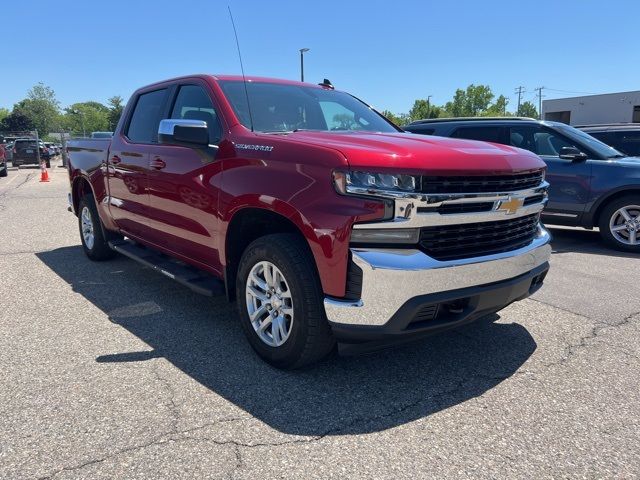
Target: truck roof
<point>236,78</point>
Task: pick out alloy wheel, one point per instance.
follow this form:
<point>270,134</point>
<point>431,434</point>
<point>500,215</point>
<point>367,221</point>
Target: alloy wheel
<point>269,303</point>
<point>87,227</point>
<point>625,225</point>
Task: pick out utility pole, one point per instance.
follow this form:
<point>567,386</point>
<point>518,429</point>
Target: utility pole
<point>539,89</point>
<point>429,105</point>
<point>520,90</point>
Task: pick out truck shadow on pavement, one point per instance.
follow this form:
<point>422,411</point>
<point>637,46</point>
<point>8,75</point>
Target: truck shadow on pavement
<point>342,395</point>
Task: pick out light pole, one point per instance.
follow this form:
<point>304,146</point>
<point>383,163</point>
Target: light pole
<point>302,52</point>
<point>429,105</point>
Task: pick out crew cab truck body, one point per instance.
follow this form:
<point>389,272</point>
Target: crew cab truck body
<point>324,221</point>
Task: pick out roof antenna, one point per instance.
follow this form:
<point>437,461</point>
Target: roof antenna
<point>244,80</point>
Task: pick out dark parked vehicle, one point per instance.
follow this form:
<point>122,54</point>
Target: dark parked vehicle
<point>624,137</point>
<point>3,158</point>
<point>592,184</point>
<point>24,153</point>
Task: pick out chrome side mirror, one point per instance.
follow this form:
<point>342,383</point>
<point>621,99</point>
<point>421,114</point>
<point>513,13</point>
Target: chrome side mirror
<point>189,133</point>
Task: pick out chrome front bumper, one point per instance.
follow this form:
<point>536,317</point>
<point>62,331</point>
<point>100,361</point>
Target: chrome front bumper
<point>393,277</point>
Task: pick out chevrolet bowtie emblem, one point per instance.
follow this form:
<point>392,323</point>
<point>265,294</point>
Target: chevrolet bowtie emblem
<point>511,206</point>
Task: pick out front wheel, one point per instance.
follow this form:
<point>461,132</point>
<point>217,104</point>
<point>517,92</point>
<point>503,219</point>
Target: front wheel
<point>620,224</point>
<point>5,171</point>
<point>280,302</point>
<point>92,235</point>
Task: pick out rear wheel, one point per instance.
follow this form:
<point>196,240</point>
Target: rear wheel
<point>92,234</point>
<point>4,171</point>
<point>620,224</point>
<point>280,302</point>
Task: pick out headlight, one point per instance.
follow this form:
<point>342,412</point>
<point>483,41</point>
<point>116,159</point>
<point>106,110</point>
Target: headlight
<point>369,183</point>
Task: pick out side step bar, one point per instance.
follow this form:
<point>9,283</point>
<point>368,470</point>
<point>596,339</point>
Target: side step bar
<point>197,280</point>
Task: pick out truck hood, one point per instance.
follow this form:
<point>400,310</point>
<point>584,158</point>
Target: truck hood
<point>411,152</point>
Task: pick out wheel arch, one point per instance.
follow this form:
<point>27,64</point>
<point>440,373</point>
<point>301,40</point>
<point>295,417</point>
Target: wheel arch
<point>593,217</point>
<point>80,187</point>
<point>246,225</point>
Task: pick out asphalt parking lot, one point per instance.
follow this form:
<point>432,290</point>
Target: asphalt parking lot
<point>110,370</point>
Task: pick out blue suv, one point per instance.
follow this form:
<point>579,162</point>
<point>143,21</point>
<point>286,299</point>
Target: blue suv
<point>592,184</point>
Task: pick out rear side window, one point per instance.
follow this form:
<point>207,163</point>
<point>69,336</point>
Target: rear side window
<point>627,142</point>
<point>485,134</point>
<point>193,103</point>
<point>143,126</point>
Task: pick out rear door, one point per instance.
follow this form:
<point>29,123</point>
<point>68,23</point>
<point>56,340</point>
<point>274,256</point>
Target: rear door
<point>184,182</point>
<point>128,164</point>
<point>570,181</point>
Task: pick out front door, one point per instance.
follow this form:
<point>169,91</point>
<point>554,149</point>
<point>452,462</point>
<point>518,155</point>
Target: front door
<point>570,181</point>
<point>184,184</point>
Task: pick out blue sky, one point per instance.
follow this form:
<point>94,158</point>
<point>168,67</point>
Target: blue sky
<point>386,52</point>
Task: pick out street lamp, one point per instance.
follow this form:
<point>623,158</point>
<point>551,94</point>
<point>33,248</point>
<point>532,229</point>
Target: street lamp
<point>302,52</point>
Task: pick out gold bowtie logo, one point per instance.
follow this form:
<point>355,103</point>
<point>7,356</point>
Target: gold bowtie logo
<point>512,205</point>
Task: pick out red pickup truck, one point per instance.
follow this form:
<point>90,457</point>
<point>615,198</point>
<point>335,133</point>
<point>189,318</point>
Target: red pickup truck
<point>327,223</point>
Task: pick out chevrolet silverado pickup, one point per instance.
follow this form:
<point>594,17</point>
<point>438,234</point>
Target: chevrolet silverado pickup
<point>326,223</point>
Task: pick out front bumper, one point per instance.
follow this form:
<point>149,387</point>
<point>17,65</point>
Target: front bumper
<point>407,293</point>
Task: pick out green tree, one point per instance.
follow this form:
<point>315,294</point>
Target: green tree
<point>420,110</point>
<point>116,106</point>
<point>473,101</point>
<point>41,107</point>
<point>498,108</point>
<point>392,117</point>
<point>4,112</point>
<point>86,117</point>
<point>16,122</point>
<point>528,109</point>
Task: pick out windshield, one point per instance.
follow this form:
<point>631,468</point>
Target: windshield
<point>601,149</point>
<point>285,108</point>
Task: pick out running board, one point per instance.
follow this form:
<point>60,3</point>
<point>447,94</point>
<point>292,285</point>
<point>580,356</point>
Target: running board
<point>197,280</point>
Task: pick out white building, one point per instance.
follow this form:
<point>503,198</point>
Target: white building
<point>607,108</point>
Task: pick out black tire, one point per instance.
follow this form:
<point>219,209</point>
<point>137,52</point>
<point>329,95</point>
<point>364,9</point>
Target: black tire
<point>310,338</point>
<point>606,217</point>
<point>4,172</point>
<point>100,249</point>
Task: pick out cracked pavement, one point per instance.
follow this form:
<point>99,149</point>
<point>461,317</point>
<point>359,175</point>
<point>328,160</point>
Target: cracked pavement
<point>110,370</point>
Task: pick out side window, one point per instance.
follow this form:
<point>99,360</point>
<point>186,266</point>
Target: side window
<point>485,134</point>
<point>193,103</point>
<point>538,140</point>
<point>143,126</point>
<point>627,142</point>
<point>338,117</point>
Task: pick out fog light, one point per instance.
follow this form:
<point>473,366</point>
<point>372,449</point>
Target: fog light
<point>385,235</point>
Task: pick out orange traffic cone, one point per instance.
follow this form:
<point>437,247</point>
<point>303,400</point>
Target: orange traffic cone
<point>44,175</point>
